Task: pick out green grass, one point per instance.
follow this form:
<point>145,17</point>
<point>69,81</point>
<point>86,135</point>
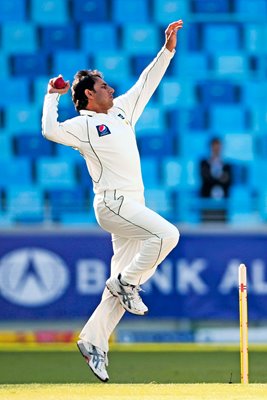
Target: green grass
<point>167,366</point>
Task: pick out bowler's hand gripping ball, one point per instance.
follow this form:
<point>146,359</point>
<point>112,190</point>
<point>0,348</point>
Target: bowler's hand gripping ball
<point>59,83</point>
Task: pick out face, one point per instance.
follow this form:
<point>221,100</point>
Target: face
<point>216,148</point>
<point>101,98</point>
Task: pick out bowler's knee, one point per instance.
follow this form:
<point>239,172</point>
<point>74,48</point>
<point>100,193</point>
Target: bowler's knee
<point>172,237</point>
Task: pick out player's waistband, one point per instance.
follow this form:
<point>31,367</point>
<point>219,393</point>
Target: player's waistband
<point>116,193</point>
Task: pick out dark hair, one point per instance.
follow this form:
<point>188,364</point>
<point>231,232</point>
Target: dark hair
<point>84,79</point>
<point>215,140</point>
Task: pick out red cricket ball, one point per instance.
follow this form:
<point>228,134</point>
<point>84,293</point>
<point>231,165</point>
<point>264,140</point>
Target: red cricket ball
<point>59,83</point>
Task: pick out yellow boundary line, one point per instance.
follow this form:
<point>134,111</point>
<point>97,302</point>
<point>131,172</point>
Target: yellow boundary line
<point>123,347</point>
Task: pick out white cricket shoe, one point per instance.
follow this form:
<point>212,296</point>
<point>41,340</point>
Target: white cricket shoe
<point>95,358</point>
<point>128,296</point>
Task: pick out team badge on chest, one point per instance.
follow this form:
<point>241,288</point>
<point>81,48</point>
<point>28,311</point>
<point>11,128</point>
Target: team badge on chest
<point>102,130</point>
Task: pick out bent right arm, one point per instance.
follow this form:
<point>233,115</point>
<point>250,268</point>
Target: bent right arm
<point>53,130</point>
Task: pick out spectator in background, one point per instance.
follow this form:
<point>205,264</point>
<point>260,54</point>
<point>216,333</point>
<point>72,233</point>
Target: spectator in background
<point>216,180</point>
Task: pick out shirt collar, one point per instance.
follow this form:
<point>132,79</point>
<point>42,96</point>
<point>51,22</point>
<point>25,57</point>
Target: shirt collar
<point>92,113</point>
<point>87,112</point>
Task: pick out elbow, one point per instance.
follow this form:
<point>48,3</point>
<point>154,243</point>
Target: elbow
<point>46,130</point>
<point>46,134</point>
<point>43,132</point>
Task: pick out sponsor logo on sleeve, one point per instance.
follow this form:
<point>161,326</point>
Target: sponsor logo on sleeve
<point>123,118</point>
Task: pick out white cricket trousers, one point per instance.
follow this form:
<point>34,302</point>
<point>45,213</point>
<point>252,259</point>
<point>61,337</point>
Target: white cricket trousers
<point>141,240</point>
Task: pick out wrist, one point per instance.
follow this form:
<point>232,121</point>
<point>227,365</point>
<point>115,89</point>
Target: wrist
<point>171,51</point>
<point>169,46</point>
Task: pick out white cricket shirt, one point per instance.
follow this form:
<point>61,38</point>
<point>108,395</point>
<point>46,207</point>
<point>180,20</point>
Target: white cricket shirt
<point>107,141</point>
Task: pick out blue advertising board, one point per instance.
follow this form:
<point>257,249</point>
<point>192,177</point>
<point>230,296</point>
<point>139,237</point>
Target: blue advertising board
<point>49,275</point>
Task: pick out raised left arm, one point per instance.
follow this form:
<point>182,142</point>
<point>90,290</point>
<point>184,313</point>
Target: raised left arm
<point>134,101</point>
